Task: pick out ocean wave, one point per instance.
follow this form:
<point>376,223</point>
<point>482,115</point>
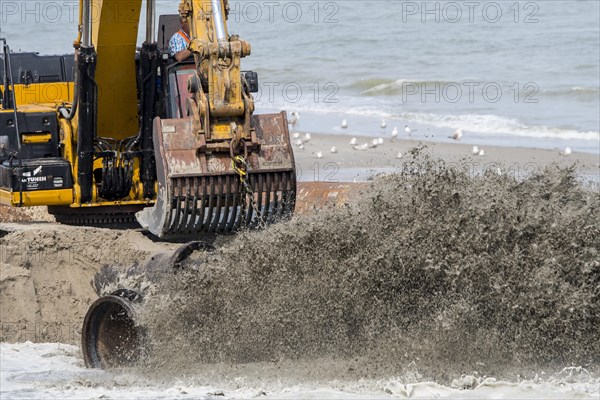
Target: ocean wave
<point>398,87</point>
<point>575,92</point>
<point>390,87</point>
<point>478,123</point>
<point>494,124</point>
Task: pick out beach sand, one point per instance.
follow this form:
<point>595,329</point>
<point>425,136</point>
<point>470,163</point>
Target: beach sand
<point>350,165</point>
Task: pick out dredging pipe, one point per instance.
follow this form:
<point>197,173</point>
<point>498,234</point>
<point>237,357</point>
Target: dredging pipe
<point>112,336</point>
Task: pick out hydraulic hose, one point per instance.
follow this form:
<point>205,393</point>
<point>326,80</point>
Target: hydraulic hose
<point>63,111</point>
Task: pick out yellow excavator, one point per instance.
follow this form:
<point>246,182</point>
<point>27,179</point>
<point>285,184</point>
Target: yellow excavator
<point>118,135</point>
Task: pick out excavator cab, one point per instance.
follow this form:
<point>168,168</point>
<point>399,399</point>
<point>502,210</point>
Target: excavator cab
<point>176,95</point>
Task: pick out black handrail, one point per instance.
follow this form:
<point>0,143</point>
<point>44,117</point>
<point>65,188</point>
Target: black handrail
<point>8,78</point>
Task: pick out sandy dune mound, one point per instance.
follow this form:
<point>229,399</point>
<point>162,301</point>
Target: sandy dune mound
<point>46,272</point>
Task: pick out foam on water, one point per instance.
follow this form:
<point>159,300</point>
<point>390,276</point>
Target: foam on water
<point>56,371</point>
<point>493,124</point>
<point>486,129</point>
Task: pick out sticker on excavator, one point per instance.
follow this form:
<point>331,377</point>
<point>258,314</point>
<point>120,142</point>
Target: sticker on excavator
<point>200,193</point>
<point>222,131</point>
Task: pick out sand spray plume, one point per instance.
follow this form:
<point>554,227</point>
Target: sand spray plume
<point>430,269</point>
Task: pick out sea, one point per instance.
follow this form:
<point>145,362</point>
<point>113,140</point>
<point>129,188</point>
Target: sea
<point>506,72</point>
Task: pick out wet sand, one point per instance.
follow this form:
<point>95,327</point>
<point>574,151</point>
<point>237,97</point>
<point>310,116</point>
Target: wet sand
<point>348,164</point>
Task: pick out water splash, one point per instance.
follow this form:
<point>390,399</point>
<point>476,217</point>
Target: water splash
<point>431,269</point>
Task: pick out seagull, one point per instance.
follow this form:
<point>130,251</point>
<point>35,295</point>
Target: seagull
<point>362,147</point>
<point>319,154</point>
<point>481,152</point>
<point>567,151</point>
<point>298,142</point>
<point>374,143</point>
<point>380,141</point>
<point>394,133</point>
<point>458,134</point>
<point>344,124</point>
<point>333,150</point>
<point>408,130</point>
<point>353,142</point>
<point>475,150</point>
<point>383,124</point>
<point>399,155</point>
<point>296,135</point>
<point>307,137</point>
<point>295,118</point>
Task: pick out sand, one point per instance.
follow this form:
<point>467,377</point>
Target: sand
<point>46,273</point>
<point>348,165</point>
<point>46,269</point>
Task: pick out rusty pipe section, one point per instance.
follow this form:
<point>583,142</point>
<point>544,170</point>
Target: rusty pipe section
<point>111,335</point>
<point>312,196</point>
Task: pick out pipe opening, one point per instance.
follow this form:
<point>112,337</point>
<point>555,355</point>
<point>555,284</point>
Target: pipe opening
<point>110,337</point>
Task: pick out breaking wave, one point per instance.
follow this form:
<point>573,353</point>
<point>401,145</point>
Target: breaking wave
<point>488,124</point>
<point>389,87</point>
<point>494,124</point>
<point>396,87</point>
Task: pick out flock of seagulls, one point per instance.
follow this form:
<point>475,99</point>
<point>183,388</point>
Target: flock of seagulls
<point>300,141</point>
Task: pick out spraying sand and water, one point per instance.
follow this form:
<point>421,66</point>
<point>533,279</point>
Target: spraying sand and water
<point>431,266</point>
